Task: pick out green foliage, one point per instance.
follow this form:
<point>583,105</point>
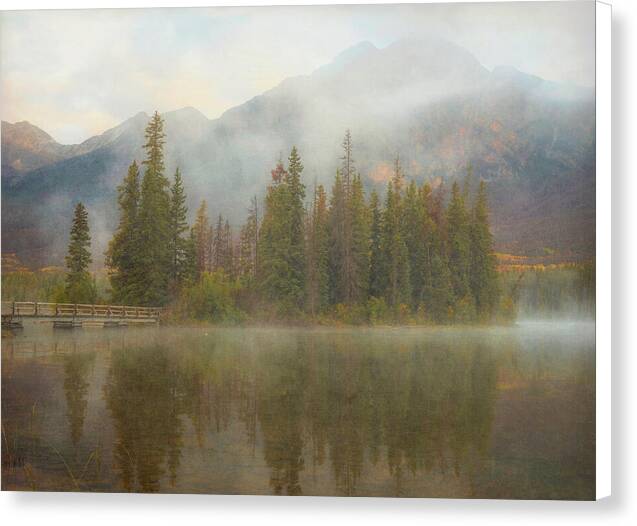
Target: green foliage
<point>482,272</point>
<point>201,236</point>
<point>44,285</point>
<point>360,242</point>
<point>154,221</point>
<point>337,249</point>
<point>212,298</point>
<point>248,244</point>
<point>80,287</point>
<point>180,256</point>
<point>395,253</point>
<point>376,264</point>
<point>415,234</point>
<point>349,221</point>
<point>459,243</point>
<point>122,256</point>
<point>150,257</point>
<point>414,259</point>
<point>318,253</point>
<point>281,242</point>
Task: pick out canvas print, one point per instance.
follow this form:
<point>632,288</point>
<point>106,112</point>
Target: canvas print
<point>312,250</point>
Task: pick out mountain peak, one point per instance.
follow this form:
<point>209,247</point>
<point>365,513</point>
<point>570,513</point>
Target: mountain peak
<point>25,131</point>
<point>346,57</point>
<point>186,113</point>
<point>352,53</point>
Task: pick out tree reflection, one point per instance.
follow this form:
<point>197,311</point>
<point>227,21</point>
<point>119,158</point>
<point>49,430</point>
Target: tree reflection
<point>418,408</point>
<point>77,366</point>
<point>280,408</point>
<point>142,395</point>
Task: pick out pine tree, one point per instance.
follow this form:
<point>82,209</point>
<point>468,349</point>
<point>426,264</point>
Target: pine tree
<point>154,219</point>
<point>80,287</point>
<point>459,249</point>
<point>248,242</point>
<point>414,232</point>
<point>483,276</point>
<point>122,256</point>
<point>349,233</point>
<point>360,227</point>
<point>337,244</point>
<point>317,253</point>
<point>228,255</point>
<point>219,245</point>
<point>437,293</point>
<point>201,234</point>
<point>281,242</point>
<point>296,197</point>
<point>395,253</point>
<point>377,278</point>
<point>178,227</point>
<point>347,169</point>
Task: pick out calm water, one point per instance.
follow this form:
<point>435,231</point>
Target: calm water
<point>486,413</point>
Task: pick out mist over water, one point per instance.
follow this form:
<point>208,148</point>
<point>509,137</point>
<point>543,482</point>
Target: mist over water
<point>504,412</point>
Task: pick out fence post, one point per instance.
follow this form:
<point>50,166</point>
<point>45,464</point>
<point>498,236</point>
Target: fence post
<point>36,308</point>
<point>13,309</point>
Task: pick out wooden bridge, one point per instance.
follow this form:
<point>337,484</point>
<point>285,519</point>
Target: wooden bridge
<point>69,315</point>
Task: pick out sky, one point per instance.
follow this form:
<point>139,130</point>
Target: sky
<point>77,73</point>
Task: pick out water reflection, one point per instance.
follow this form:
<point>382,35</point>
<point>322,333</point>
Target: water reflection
<point>144,396</point>
<point>77,367</point>
<point>327,412</point>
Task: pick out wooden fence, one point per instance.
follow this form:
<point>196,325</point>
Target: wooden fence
<point>35,309</point>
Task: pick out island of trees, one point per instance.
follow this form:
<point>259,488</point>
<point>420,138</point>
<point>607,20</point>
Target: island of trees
<point>418,254</point>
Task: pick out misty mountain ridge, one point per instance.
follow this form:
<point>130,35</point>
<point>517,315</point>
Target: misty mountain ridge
<point>430,101</point>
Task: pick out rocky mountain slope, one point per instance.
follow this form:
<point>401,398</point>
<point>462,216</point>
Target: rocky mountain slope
<point>430,101</point>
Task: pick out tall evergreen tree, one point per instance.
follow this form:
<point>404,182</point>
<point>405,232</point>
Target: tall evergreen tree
<point>415,237</point>
<point>248,242</point>
<point>296,197</point>
<point>483,276</point>
<point>347,169</point>
<point>395,253</point>
<point>122,256</point>
<point>317,253</point>
<point>154,219</point>
<point>377,281</point>
<point>338,244</point>
<point>79,284</point>
<point>178,227</point>
<point>349,232</point>
<point>201,233</point>
<point>282,252</point>
<point>358,282</point>
<point>219,245</point>
<point>228,256</point>
<point>459,243</point>
<point>437,294</point>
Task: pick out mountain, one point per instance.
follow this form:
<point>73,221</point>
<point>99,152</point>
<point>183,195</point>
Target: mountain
<point>26,147</point>
<point>428,100</point>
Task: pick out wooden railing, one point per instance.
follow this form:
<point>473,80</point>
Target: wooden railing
<point>37,309</point>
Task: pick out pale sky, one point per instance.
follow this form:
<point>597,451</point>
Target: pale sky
<point>77,73</point>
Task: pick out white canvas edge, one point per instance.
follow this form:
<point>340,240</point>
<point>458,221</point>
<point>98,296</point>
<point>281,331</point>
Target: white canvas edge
<point>603,234</point>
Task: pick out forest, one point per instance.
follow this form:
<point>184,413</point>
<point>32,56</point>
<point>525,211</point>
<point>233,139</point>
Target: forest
<point>417,255</point>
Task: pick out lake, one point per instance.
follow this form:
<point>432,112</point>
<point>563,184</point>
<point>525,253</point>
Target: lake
<point>410,412</point>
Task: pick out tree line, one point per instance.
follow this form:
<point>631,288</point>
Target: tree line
<point>418,251</point>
